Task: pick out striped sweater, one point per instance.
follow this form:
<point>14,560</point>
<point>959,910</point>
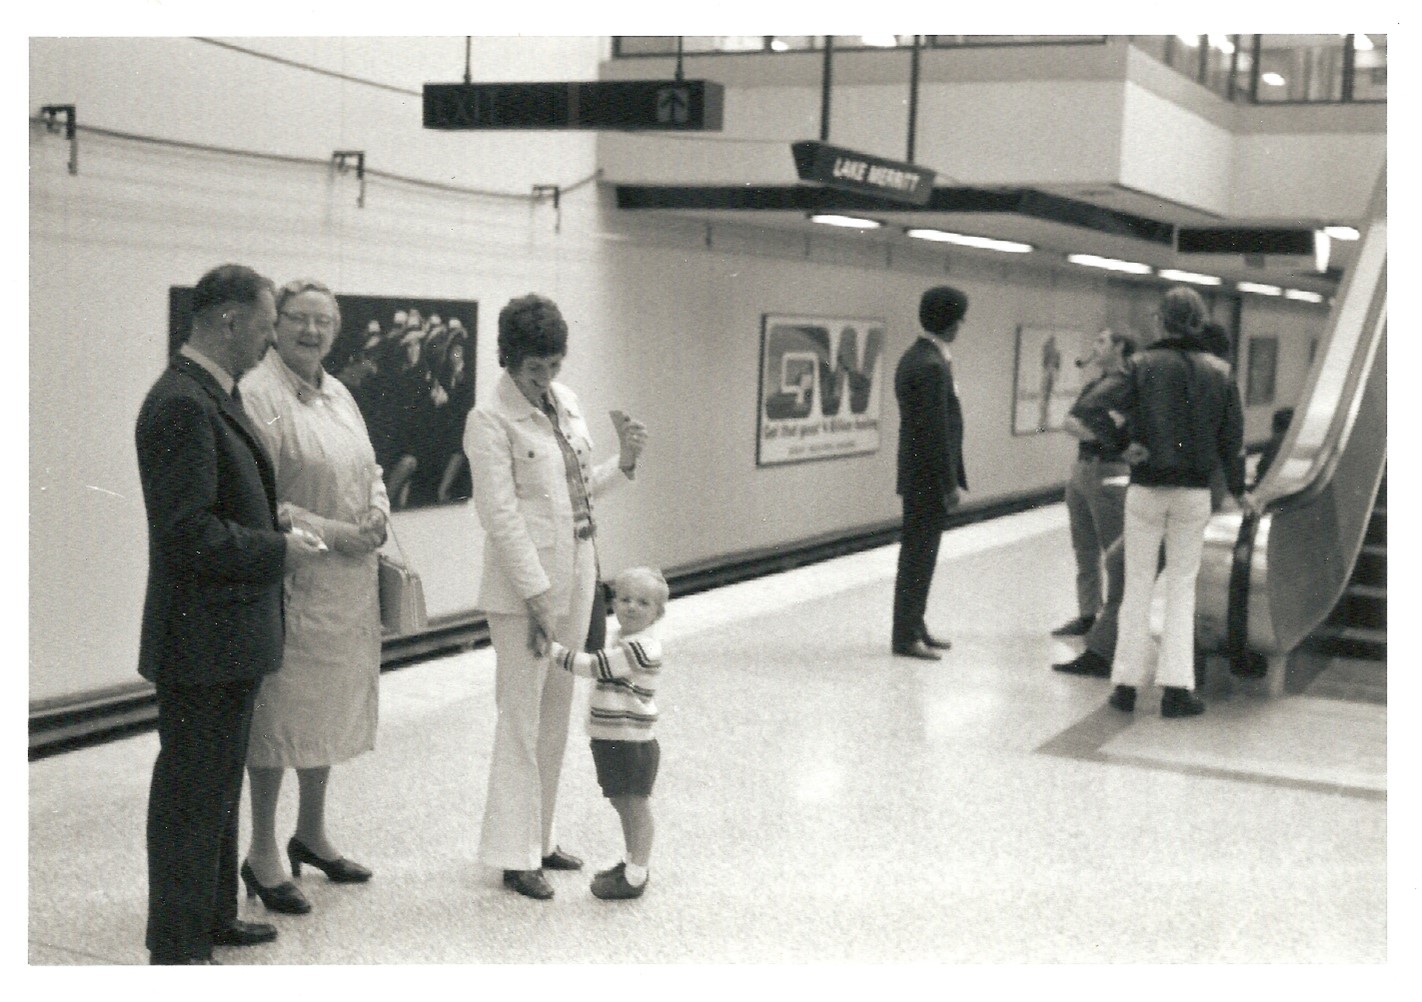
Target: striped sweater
<point>621,707</point>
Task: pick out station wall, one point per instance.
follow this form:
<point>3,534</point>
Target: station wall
<point>665,314</point>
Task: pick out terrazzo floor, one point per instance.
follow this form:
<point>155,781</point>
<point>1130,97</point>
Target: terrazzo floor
<point>820,802</point>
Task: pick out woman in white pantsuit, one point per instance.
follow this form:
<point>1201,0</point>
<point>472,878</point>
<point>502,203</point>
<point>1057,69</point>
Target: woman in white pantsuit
<point>530,458</point>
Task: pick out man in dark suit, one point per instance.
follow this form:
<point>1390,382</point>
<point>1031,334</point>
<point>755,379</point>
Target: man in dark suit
<point>212,615</point>
<point>930,463</point>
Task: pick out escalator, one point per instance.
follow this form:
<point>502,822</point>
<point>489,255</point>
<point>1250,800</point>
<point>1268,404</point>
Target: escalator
<point>1308,574</point>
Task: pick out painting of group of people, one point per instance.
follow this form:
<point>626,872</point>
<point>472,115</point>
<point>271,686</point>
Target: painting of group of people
<point>409,364</point>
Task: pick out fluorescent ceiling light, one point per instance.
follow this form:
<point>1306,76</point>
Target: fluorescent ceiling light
<point>1190,40</point>
<point>880,41</point>
<point>986,243</point>
<point>1109,263</point>
<point>853,222</point>
<point>1222,43</point>
<point>1303,296</point>
<point>1272,79</point>
<point>779,45</point>
<point>1362,43</point>
<point>1176,275</point>
<point>1322,248</point>
<point>1263,290</point>
<point>1342,232</point>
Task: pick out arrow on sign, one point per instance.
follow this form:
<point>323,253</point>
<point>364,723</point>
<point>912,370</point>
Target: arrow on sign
<point>673,106</point>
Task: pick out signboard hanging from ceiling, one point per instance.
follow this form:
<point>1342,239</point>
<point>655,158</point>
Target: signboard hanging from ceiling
<point>848,170</point>
<point>646,105</point>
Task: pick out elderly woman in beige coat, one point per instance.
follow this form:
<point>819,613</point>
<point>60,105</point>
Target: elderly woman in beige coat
<point>534,481</point>
<point>320,708</point>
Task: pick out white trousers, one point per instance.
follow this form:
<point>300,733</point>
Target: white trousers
<point>1176,515</point>
<point>534,702</point>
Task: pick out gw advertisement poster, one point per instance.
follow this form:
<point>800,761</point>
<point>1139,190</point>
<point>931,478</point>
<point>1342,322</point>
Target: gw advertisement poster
<point>821,388</point>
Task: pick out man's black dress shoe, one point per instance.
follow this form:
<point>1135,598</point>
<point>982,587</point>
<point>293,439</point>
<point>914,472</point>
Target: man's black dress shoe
<point>340,871</point>
<point>239,933</point>
<point>1176,701</point>
<point>560,860</point>
<point>1123,698</point>
<point>1087,663</point>
<point>917,649</point>
<point>164,960</point>
<point>931,641</point>
<point>1077,627</point>
<point>285,897</point>
<point>529,883</point>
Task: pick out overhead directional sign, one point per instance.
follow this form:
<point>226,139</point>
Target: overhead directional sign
<point>836,167</point>
<point>664,105</point>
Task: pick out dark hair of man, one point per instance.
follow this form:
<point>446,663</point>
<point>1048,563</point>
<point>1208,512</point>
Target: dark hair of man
<point>530,326</point>
<point>228,283</point>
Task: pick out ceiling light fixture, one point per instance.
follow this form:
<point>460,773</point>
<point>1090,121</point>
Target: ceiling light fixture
<point>1190,40</point>
<point>1176,275</point>
<point>1342,232</point>
<point>1223,43</point>
<point>1303,295</point>
<point>967,240</point>
<point>1272,79</point>
<point>1109,263</point>
<point>852,222</point>
<point>1362,43</point>
<point>1259,289</point>
<point>880,41</point>
<point>779,45</point>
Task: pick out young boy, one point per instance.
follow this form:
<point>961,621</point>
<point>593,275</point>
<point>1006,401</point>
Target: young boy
<point>621,714</point>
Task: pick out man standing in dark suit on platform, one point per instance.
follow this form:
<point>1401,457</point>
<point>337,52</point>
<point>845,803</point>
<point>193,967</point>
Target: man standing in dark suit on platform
<point>930,464</point>
<point>212,614</point>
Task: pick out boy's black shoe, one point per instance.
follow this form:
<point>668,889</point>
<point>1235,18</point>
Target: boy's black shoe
<point>1180,702</point>
<point>1123,698</point>
<point>612,885</point>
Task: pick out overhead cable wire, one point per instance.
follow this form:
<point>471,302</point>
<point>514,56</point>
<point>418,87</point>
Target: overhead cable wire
<point>308,67</point>
<point>284,158</point>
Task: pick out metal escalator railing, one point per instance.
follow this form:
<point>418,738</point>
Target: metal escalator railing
<point>1268,581</point>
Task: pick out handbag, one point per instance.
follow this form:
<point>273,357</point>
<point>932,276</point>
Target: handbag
<point>402,595</point>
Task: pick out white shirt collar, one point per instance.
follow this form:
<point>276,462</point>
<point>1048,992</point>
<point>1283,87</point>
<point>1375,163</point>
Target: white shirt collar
<point>223,377</point>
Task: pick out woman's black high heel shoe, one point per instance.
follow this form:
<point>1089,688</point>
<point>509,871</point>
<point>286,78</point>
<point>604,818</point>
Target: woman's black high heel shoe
<point>285,897</point>
<point>340,871</point>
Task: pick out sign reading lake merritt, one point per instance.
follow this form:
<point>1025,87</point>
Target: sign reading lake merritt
<point>836,167</point>
<point>665,105</point>
<point>821,388</point>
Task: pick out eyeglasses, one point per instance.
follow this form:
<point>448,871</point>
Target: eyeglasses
<point>322,323</point>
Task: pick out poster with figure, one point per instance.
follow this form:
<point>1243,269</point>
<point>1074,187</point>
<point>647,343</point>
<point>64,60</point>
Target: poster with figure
<point>821,388</point>
<point>1047,378</point>
<point>409,364</point>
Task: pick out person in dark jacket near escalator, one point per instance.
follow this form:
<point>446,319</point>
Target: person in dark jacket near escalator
<point>1186,419</point>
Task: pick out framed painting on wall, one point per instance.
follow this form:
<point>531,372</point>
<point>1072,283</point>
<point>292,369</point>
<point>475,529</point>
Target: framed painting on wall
<point>1263,363</point>
<point>821,388</point>
<point>409,364</point>
<point>1046,377</point>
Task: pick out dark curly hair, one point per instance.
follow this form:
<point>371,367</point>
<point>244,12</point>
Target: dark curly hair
<point>530,326</point>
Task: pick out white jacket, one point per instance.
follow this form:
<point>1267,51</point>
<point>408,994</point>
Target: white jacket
<point>520,490</point>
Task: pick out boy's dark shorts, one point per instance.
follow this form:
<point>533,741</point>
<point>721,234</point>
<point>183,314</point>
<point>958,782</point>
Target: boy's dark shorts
<point>626,768</point>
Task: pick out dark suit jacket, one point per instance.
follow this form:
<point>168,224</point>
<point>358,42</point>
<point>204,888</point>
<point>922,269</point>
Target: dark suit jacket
<point>930,426</point>
<point>213,609</point>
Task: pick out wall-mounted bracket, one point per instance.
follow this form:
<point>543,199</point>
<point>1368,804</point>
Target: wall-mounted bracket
<point>71,131</point>
<point>341,162</point>
<point>541,191</point>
